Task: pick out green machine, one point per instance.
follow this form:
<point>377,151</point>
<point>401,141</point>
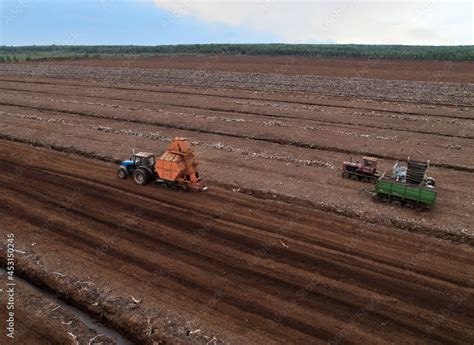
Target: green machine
<point>407,185</point>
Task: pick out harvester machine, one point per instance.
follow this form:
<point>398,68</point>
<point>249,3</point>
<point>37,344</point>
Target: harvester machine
<point>407,185</point>
<point>177,167</point>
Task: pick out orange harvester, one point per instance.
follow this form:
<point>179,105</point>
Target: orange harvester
<point>179,164</point>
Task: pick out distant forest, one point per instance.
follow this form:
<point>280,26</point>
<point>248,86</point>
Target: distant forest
<point>453,53</point>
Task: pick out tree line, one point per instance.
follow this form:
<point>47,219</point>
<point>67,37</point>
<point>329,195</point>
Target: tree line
<point>453,53</point>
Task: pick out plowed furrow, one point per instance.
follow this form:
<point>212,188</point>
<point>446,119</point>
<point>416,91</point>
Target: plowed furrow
<point>278,285</point>
<point>139,91</point>
<point>151,215</point>
<point>223,110</point>
<point>268,138</point>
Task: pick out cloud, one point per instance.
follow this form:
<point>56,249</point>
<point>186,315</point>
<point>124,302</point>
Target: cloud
<point>351,21</point>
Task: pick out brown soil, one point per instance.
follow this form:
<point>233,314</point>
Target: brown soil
<point>319,262</point>
<point>236,268</point>
<point>363,68</point>
<point>284,142</point>
<point>40,320</point>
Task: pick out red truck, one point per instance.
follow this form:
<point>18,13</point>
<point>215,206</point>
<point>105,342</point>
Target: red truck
<point>366,170</point>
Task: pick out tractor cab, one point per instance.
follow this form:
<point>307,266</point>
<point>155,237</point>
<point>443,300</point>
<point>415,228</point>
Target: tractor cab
<point>143,163</point>
<point>139,160</point>
<point>369,165</point>
<point>143,159</point>
<point>365,170</point>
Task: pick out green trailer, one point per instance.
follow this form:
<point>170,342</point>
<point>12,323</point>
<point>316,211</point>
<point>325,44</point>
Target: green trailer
<point>406,194</point>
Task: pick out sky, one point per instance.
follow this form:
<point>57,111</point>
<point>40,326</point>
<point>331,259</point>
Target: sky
<point>154,22</point>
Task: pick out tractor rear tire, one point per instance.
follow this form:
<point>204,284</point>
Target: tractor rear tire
<point>122,173</point>
<point>140,177</point>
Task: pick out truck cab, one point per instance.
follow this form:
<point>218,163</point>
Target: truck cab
<point>365,170</point>
<point>368,166</point>
<point>140,165</point>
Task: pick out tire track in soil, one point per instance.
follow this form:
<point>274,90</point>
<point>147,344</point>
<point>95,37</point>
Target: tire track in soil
<point>204,291</point>
<point>272,140</point>
<point>55,182</point>
<point>250,223</point>
<point>256,114</point>
<point>439,233</point>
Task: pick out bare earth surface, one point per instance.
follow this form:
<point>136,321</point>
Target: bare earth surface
<point>281,249</point>
<point>40,319</point>
<point>364,68</point>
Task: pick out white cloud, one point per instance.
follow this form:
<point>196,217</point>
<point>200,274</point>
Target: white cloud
<point>351,21</point>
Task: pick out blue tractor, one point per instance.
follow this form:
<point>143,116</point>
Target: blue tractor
<point>141,166</point>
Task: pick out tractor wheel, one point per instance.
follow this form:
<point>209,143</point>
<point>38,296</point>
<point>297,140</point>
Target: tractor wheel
<point>140,177</point>
<point>122,173</point>
<point>345,174</point>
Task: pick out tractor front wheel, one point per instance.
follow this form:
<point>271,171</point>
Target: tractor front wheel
<point>122,173</point>
<point>140,177</point>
